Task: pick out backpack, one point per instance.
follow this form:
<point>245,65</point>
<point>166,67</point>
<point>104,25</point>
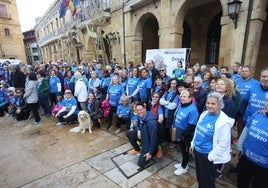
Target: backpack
<point>105,106</point>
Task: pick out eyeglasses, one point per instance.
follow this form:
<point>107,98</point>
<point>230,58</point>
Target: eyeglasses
<point>197,82</point>
<point>161,70</point>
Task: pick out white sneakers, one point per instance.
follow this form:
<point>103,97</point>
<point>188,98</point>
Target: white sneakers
<point>179,170</point>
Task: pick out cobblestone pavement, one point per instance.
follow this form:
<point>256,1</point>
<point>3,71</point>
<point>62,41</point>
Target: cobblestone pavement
<point>49,156</point>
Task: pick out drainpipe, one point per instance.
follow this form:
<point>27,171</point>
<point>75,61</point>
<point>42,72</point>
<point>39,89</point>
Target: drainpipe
<point>124,35</point>
<point>250,8</point>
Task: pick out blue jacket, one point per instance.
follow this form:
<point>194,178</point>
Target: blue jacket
<point>148,127</point>
<point>3,98</point>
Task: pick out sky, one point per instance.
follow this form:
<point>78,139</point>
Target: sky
<point>29,10</point>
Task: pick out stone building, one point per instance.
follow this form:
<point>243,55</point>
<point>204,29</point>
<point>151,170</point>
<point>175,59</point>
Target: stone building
<point>31,47</point>
<point>105,29</point>
<point>11,41</point>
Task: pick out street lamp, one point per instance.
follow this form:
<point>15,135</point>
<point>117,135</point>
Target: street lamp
<point>233,10</point>
<point>112,36</point>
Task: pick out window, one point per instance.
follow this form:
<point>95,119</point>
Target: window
<point>3,11</point>
<point>7,32</point>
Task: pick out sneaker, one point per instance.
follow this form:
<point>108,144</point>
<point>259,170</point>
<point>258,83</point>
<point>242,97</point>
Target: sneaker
<point>60,123</point>
<point>159,153</point>
<point>134,152</point>
<point>218,175</point>
<point>109,127</point>
<point>180,171</point>
<point>47,115</point>
<point>118,131</point>
<point>179,166</point>
<point>171,145</point>
<point>164,143</point>
<point>30,116</point>
<point>35,123</point>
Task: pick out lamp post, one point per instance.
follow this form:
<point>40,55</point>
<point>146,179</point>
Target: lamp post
<point>233,11</point>
<point>78,45</point>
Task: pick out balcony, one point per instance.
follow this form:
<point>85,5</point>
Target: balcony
<point>91,13</point>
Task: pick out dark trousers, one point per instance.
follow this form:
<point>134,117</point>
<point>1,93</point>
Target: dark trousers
<point>121,121</point>
<point>205,171</point>
<point>111,113</point>
<point>185,153</point>
<point>133,138</point>
<point>34,108</point>
<point>71,118</point>
<point>53,99</point>
<point>44,103</point>
<point>247,170</point>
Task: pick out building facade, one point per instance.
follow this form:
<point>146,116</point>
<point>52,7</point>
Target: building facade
<point>11,40</point>
<point>31,48</point>
<point>124,30</point>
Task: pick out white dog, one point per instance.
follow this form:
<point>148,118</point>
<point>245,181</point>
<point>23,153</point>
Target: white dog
<point>85,122</point>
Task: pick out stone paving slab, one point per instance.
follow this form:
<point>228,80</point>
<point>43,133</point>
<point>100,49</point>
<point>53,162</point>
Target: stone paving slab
<point>102,162</point>
<point>116,176</point>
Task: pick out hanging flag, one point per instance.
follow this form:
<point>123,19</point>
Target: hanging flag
<point>62,10</point>
<point>72,8</point>
<point>76,3</point>
<point>67,2</point>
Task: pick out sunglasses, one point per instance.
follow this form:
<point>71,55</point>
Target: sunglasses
<point>161,70</point>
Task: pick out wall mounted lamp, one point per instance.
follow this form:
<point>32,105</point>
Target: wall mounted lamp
<point>113,36</point>
<point>233,10</point>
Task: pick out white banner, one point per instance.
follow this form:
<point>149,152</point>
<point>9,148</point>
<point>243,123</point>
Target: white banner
<point>167,58</point>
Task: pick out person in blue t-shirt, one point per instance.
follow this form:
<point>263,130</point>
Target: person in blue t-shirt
<point>69,111</point>
<point>55,87</point>
<point>114,92</point>
<point>132,89</point>
<point>211,143</point>
<point>123,114</point>
<point>169,101</point>
<point>145,86</point>
<point>244,84</point>
<point>256,96</point>
<point>179,72</point>
<point>185,119</point>
<point>253,146</point>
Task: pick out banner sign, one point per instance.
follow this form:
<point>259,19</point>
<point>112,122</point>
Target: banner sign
<point>167,58</point>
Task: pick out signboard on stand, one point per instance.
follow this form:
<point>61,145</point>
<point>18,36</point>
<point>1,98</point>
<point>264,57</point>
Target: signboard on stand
<point>168,58</point>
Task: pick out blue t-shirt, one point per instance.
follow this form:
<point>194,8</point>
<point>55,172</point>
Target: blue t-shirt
<point>69,103</point>
<point>185,116</point>
<point>203,142</point>
<point>124,111</point>
<point>53,83</point>
<point>145,83</point>
<point>256,100</point>
<point>132,84</point>
<point>244,86</point>
<point>256,145</point>
<point>115,92</point>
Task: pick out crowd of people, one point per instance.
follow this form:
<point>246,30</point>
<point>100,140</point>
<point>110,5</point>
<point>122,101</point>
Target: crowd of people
<point>193,108</point>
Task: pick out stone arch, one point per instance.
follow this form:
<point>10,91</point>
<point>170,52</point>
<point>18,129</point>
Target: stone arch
<point>192,13</point>
<point>147,28</point>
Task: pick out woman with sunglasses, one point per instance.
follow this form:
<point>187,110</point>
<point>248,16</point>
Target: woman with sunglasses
<point>19,107</point>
